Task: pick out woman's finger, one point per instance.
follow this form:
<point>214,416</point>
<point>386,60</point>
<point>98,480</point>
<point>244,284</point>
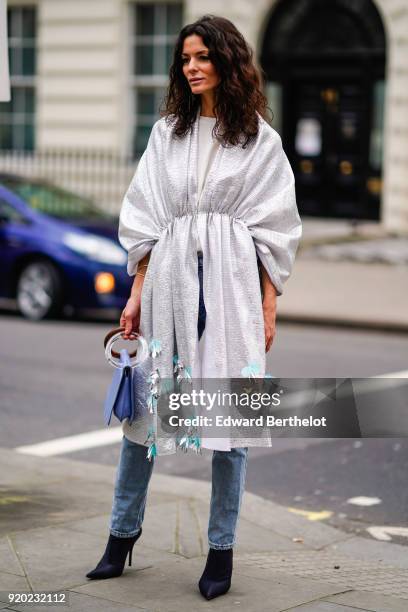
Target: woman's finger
<point>128,326</point>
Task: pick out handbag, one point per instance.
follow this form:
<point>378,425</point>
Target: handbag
<point>127,394</point>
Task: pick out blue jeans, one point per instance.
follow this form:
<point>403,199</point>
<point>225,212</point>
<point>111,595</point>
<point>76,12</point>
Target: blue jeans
<point>135,470</point>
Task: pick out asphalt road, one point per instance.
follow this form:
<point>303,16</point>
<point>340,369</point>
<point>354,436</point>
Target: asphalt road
<point>53,380</point>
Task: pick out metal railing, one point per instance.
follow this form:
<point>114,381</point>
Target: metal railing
<point>102,176</point>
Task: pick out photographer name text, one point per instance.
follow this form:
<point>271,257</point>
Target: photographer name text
<point>259,421</point>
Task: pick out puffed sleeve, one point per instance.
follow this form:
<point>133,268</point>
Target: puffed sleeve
<point>138,223</point>
<point>273,220</point>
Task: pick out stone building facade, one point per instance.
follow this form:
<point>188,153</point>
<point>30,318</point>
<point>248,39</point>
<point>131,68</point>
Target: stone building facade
<point>89,74</point>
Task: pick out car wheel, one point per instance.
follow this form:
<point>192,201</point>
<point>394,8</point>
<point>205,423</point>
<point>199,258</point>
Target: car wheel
<point>39,290</point>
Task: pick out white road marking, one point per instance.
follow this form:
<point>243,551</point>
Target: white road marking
<point>384,532</point>
<point>403,374</point>
<point>364,501</point>
<point>70,444</point>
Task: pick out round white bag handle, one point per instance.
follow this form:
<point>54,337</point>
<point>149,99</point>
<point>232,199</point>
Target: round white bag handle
<point>141,353</point>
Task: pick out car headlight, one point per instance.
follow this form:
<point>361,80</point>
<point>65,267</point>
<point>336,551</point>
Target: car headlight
<point>96,248</point>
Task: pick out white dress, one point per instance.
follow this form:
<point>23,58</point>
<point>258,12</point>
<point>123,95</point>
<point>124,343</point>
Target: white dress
<point>207,147</point>
<point>247,208</point>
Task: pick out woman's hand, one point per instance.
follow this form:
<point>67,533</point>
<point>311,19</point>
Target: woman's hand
<point>130,318</point>
<point>268,305</point>
<point>269,313</point>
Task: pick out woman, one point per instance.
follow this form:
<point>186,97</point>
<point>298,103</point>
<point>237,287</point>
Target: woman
<point>210,212</point>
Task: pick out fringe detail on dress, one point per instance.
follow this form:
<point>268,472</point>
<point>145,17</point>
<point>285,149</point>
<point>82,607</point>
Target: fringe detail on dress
<point>155,348</point>
<point>151,437</point>
<point>251,370</point>
<point>190,440</point>
<point>183,372</point>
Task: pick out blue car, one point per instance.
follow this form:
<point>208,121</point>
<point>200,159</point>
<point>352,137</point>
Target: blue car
<point>57,249</point>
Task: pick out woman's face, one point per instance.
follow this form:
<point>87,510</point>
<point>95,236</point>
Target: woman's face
<point>197,65</point>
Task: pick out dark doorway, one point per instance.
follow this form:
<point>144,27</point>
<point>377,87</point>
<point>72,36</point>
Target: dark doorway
<point>324,63</point>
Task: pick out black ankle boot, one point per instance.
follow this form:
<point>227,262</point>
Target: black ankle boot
<point>216,578</point>
<point>113,561</point>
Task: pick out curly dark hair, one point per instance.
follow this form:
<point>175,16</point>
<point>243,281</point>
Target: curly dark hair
<point>238,94</point>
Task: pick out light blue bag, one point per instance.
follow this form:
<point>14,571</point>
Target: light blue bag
<point>120,395</point>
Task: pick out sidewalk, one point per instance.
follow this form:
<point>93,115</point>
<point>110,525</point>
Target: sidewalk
<point>347,276</point>
<point>54,517</point>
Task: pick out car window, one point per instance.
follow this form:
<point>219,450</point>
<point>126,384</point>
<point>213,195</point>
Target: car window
<point>53,200</point>
<point>10,213</point>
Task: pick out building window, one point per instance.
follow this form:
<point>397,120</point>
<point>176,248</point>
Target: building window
<point>17,116</point>
<point>155,30</point>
